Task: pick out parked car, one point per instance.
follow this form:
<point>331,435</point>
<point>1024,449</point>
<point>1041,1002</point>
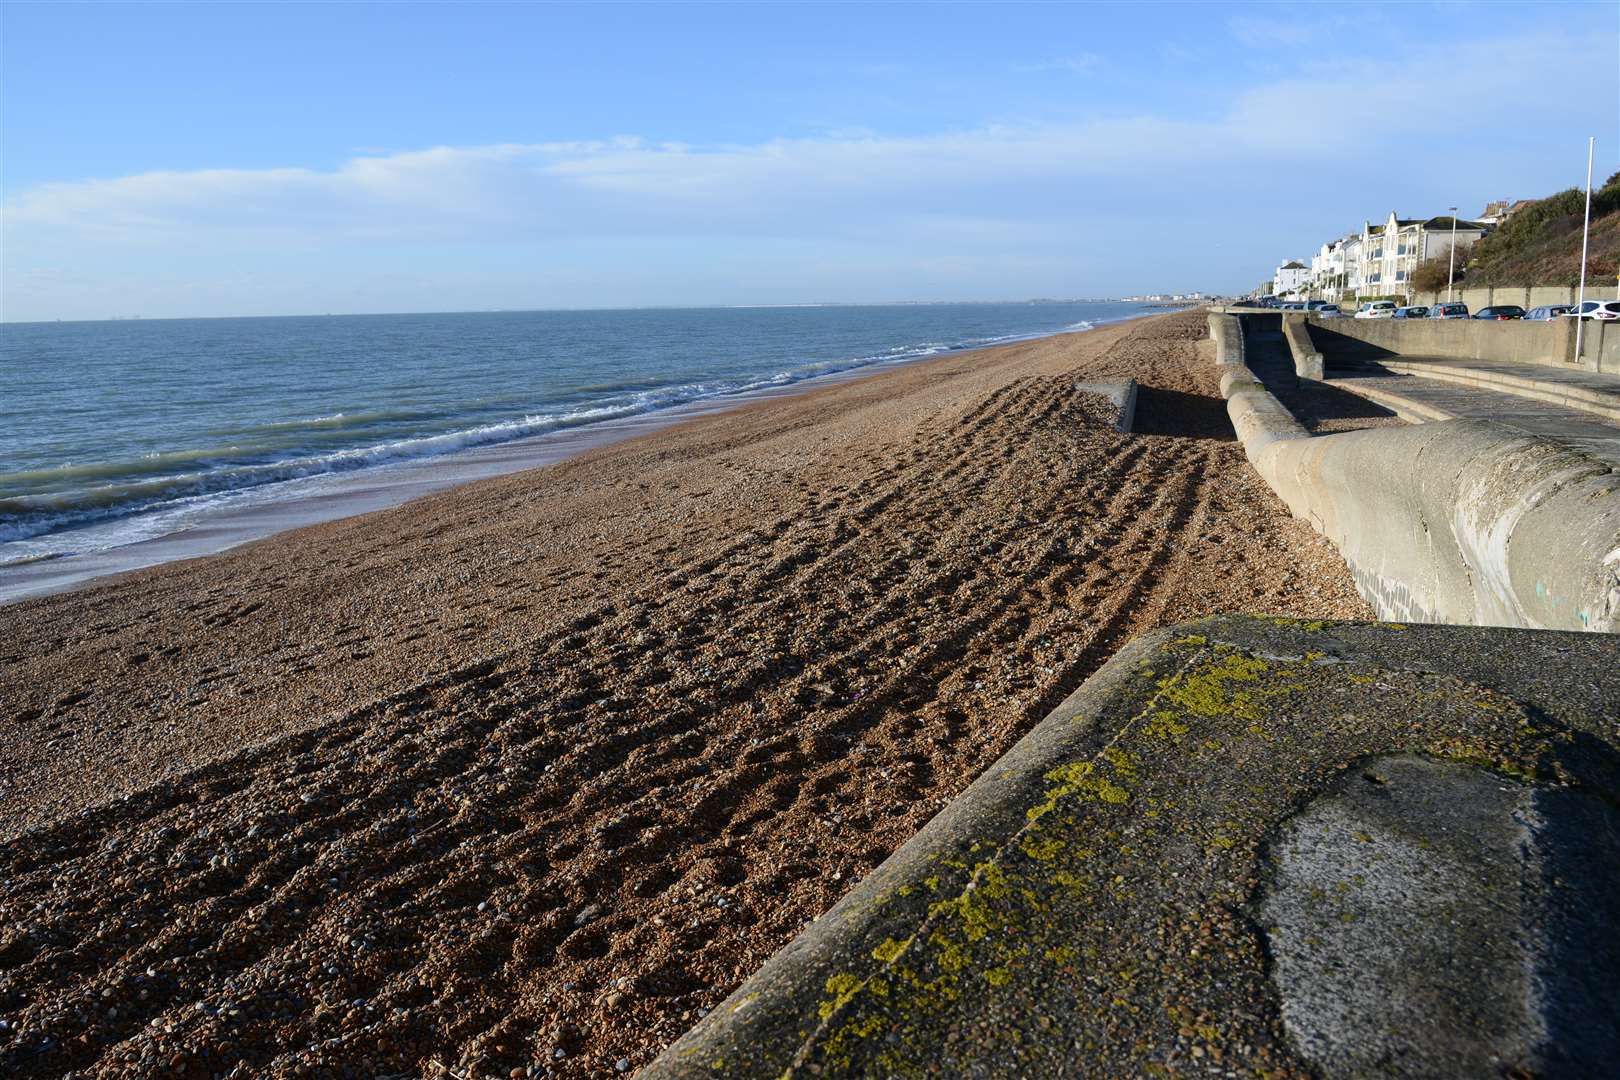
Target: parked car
<point>1500,312</point>
<point>1595,309</point>
<point>1329,311</point>
<point>1449,310</point>
<point>1377,309</point>
<point>1295,305</point>
<point>1548,312</point>
<point>1313,305</point>
<point>1416,311</point>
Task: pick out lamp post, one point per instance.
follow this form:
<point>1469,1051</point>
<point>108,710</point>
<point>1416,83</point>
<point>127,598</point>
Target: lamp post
<point>1586,227</point>
<point>1451,268</point>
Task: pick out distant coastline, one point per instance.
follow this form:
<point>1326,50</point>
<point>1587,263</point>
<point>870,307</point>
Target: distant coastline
<point>645,307</point>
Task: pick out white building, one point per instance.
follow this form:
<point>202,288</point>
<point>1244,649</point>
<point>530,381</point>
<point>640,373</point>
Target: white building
<point>1327,271</point>
<point>1291,277</point>
<point>1391,252</point>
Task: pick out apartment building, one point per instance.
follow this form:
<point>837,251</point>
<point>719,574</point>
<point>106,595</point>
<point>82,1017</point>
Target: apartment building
<point>1379,260</point>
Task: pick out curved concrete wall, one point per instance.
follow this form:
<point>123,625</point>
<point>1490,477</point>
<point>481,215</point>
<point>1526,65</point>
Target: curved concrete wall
<point>1459,521</point>
<point>1456,522</point>
<point>1308,362</point>
<point>1227,333</point>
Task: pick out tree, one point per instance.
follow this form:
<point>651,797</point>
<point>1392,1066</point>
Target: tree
<point>1432,275</point>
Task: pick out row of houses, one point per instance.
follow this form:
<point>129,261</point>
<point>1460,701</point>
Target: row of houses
<point>1379,260</point>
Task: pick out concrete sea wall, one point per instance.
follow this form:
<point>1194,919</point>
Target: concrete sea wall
<point>1461,522</point>
<point>1517,341</point>
<point>1454,522</point>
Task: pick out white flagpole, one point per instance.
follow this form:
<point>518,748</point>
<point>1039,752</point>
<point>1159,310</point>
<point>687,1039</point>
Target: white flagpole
<point>1451,266</point>
<point>1586,228</point>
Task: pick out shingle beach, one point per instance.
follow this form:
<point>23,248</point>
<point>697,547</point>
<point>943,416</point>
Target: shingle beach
<point>522,778</point>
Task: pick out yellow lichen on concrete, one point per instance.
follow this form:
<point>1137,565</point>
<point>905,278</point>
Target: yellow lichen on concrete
<point>842,987</point>
<point>1210,689</point>
<point>1041,850</point>
<point>890,950</point>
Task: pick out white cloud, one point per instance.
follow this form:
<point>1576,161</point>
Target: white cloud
<point>990,196</point>
<point>1076,64</point>
<point>1284,27</point>
<point>620,185</point>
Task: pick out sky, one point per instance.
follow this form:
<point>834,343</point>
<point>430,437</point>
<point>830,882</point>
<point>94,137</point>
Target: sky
<point>172,160</point>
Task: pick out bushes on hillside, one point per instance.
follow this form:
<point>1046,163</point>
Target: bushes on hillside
<point>1541,243</point>
<point>1431,275</point>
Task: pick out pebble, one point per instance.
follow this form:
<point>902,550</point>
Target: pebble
<point>623,1064</point>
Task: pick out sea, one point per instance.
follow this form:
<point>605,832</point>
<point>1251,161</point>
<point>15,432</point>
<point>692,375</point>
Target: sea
<point>175,437</point>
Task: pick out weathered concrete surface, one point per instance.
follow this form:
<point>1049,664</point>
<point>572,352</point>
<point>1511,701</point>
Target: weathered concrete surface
<point>1421,400</point>
<point>1092,905</point>
<point>1121,394</point>
<point>1463,521</point>
<point>1227,333</point>
<point>1549,343</point>
<point>1399,398</point>
<point>1308,363</point>
<point>1577,390</point>
<point>1430,918</point>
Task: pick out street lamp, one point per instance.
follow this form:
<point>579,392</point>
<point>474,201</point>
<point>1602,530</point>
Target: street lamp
<point>1586,229</point>
<point>1451,269</point>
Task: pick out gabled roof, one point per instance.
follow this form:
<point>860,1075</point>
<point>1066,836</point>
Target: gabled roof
<point>1291,265</point>
<point>1444,222</point>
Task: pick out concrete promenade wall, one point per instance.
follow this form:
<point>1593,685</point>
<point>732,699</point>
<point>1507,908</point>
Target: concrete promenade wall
<point>1453,522</point>
<point>1308,362</point>
<point>1524,295</point>
<point>1460,522</point>
<point>1600,347</point>
<point>1518,342</point>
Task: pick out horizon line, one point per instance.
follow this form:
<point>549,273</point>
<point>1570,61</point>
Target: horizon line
<point>609,307</point>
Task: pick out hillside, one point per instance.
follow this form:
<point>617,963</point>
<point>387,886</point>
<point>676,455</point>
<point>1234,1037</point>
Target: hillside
<point>1541,243</point>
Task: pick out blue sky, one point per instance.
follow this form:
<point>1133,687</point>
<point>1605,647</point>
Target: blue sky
<point>197,159</point>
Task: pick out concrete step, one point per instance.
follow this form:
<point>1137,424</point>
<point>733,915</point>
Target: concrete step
<point>1586,391</point>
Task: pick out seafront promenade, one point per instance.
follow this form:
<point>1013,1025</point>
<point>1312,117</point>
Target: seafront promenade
<point>1497,507</point>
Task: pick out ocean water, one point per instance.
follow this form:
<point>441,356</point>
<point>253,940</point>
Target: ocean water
<point>113,433</point>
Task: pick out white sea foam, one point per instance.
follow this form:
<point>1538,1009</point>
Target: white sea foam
<point>25,516</point>
<point>260,460</point>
